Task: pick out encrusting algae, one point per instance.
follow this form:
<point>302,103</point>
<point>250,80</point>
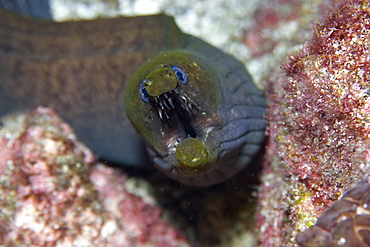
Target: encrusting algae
<point>319,121</point>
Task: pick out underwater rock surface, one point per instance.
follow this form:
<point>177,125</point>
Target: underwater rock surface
<point>286,205</point>
<point>319,127</point>
<point>54,193</point>
<point>345,223</point>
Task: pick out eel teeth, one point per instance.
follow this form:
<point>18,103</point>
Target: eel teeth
<point>167,102</point>
<point>187,104</point>
<point>171,103</point>
<point>160,114</point>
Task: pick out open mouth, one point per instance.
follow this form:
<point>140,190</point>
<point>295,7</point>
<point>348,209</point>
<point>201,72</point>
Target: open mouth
<point>189,130</point>
<point>176,102</point>
<point>183,135</point>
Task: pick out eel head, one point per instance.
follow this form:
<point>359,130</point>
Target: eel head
<point>174,102</point>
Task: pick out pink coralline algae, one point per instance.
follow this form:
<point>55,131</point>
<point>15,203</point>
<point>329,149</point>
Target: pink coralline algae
<point>54,193</point>
<point>319,127</point>
<point>325,107</point>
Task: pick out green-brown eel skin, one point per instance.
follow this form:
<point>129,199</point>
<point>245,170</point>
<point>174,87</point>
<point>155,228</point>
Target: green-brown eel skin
<point>195,108</point>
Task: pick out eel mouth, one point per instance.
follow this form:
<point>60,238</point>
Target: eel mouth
<point>176,109</point>
<point>189,130</point>
<point>174,101</point>
<point>180,122</point>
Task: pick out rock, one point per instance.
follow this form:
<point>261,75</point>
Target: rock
<point>55,193</point>
<point>319,126</point>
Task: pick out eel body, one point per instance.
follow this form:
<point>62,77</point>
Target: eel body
<point>81,69</point>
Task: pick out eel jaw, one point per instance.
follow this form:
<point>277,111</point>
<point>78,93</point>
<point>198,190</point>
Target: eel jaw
<point>184,140</point>
<point>193,156</point>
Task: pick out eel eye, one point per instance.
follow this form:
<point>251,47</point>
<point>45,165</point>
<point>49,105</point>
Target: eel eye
<point>143,93</point>
<point>180,74</point>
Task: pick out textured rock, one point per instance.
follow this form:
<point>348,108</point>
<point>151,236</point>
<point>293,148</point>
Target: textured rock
<point>270,29</point>
<point>54,193</point>
<point>319,125</point>
<point>345,223</point>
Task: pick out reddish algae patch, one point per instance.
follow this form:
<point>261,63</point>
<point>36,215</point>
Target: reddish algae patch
<point>55,193</point>
<point>319,125</point>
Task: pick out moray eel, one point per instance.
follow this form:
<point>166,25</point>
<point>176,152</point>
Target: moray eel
<point>198,112</point>
<point>195,107</point>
